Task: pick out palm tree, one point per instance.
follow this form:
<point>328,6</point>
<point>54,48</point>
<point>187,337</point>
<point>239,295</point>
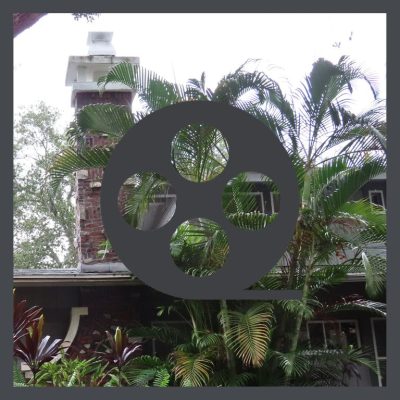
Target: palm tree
<point>331,150</point>
<point>314,126</point>
<point>198,152</point>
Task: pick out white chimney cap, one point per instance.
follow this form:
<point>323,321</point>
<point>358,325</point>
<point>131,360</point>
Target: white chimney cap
<point>100,44</point>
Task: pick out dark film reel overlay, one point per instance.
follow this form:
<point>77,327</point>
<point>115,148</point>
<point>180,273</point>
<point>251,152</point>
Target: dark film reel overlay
<point>252,147</point>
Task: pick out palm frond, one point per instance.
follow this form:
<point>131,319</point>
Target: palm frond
<point>146,186</point>
<point>199,243</point>
<point>209,341</point>
<point>70,161</point>
<point>324,276</point>
<point>339,189</point>
<point>165,334</point>
<point>249,333</point>
<point>192,369</point>
<point>154,91</point>
<point>162,378</point>
<point>322,177</point>
<point>368,306</point>
<point>147,371</point>
<point>233,86</point>
<point>296,307</point>
<point>225,378</point>
<point>272,281</point>
<point>237,196</point>
<point>109,119</point>
<point>253,220</point>
<point>361,133</point>
<point>375,274</point>
<point>293,364</point>
<point>199,152</point>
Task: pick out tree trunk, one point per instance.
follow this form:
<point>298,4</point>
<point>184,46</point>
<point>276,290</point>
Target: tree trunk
<point>299,317</point>
<point>230,358</point>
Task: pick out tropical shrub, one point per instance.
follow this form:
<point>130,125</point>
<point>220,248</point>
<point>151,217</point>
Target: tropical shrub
<point>118,353</point>
<point>23,318</point>
<point>34,349</point>
<point>334,153</point>
<point>68,372</point>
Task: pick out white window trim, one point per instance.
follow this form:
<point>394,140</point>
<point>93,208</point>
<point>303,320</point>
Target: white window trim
<point>339,321</point>
<point>164,196</point>
<point>271,195</point>
<point>261,194</point>
<point>377,358</point>
<point>370,192</point>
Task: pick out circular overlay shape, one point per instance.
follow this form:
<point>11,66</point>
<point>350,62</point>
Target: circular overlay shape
<point>252,147</point>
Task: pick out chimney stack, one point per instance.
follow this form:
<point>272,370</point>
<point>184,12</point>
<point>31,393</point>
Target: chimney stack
<point>82,75</point>
<point>100,44</point>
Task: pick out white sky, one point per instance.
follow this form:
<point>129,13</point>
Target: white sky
<point>182,46</point>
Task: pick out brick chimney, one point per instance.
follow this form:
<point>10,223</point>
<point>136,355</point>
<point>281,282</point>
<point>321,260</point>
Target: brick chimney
<point>82,74</point>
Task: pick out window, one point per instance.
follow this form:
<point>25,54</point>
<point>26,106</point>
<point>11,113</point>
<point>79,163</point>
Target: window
<point>378,327</point>
<point>275,200</point>
<point>260,201</point>
<point>260,206</point>
<point>333,334</point>
<point>377,197</point>
<point>160,211</point>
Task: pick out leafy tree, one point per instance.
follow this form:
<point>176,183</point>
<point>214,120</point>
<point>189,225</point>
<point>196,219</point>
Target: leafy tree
<point>22,21</point>
<point>328,146</point>
<point>334,153</point>
<point>44,221</point>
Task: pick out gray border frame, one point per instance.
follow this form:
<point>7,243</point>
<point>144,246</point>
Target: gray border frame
<point>393,198</point>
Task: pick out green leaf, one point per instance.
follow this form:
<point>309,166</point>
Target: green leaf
<point>18,377</point>
<point>70,161</point>
<point>147,371</point>
<point>199,152</point>
<point>248,333</point>
<point>110,119</point>
<point>369,306</point>
<point>192,369</point>
<point>155,92</point>
<point>374,276</point>
<point>252,220</point>
<point>339,189</point>
<point>139,196</point>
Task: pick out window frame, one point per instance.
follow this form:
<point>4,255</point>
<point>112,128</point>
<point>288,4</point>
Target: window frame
<point>340,321</point>
<point>377,357</point>
<point>380,191</point>
<point>272,198</point>
<point>166,195</point>
<point>258,193</point>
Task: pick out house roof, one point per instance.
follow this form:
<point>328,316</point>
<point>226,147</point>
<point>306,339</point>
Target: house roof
<point>72,277</point>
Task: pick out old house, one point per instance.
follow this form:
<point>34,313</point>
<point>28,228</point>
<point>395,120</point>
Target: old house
<point>101,293</point>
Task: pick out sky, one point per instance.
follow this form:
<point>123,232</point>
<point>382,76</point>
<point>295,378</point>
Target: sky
<point>182,46</point>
